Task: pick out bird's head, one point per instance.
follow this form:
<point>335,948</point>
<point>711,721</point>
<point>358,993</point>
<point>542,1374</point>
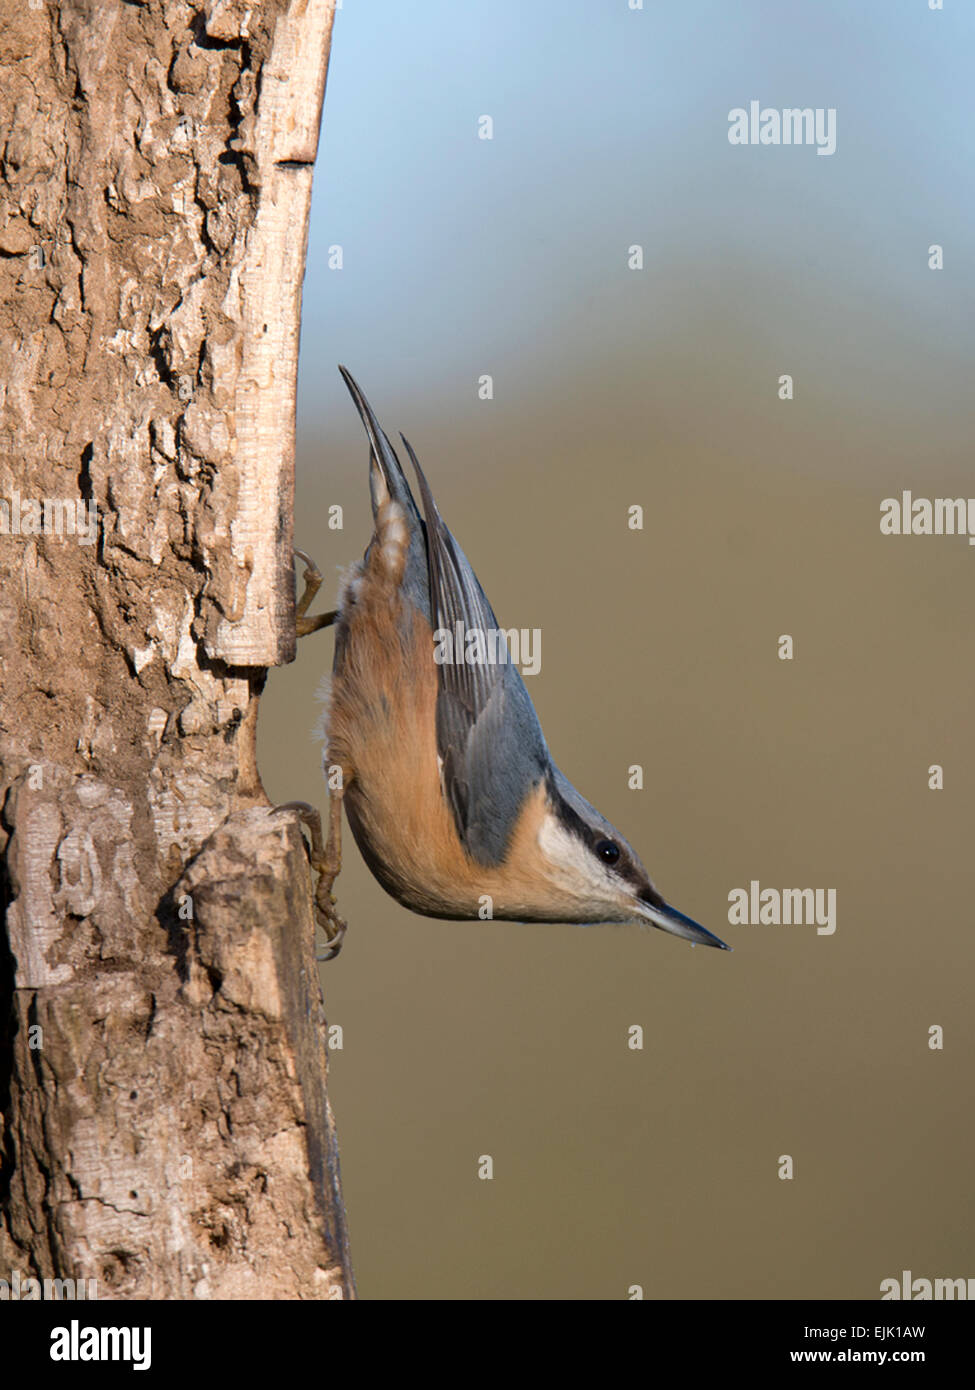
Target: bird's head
<point>596,874</point>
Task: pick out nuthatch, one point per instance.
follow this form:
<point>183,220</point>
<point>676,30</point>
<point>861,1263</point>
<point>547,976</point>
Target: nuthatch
<point>447,782</point>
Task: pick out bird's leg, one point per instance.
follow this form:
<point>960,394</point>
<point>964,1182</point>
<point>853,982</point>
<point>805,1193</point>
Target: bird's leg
<point>331,866</point>
<point>313,581</point>
<point>326,860</point>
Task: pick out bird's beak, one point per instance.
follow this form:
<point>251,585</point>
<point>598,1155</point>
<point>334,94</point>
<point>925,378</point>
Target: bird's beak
<point>668,919</point>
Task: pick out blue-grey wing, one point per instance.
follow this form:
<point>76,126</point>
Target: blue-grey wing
<point>490,742</point>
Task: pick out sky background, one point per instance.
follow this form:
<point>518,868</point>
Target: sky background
<point>659,387</point>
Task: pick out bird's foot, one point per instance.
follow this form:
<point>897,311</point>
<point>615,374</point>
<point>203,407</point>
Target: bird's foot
<point>326,861</point>
<point>334,928</point>
<point>312,578</point>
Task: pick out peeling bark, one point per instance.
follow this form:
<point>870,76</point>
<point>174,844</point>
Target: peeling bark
<point>165,1128</point>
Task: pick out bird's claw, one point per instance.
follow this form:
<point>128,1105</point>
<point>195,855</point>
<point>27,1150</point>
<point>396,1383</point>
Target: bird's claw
<point>334,928</point>
<point>325,863</point>
<point>312,581</point>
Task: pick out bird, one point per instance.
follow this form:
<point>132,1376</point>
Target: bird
<point>439,759</point>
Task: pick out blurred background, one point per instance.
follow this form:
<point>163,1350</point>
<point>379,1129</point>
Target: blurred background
<point>462,257</point>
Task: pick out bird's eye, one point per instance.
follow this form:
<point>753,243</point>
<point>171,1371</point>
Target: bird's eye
<point>608,851</point>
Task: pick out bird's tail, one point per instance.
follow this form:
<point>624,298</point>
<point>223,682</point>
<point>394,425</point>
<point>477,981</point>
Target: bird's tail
<point>386,476</point>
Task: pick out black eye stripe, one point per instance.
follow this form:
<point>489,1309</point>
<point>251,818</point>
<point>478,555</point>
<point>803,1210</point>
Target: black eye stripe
<point>584,831</point>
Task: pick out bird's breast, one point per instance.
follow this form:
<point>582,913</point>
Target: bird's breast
<point>382,733</point>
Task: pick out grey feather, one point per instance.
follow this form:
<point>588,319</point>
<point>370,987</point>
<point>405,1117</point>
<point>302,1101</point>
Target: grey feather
<point>490,742</point>
<point>383,456</point>
<point>488,735</point>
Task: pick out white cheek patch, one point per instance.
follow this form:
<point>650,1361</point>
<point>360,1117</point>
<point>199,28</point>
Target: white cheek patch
<point>575,869</point>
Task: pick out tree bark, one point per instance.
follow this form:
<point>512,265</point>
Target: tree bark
<point>165,1126</point>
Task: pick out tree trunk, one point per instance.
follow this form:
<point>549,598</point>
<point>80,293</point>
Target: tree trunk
<point>165,1127</point>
